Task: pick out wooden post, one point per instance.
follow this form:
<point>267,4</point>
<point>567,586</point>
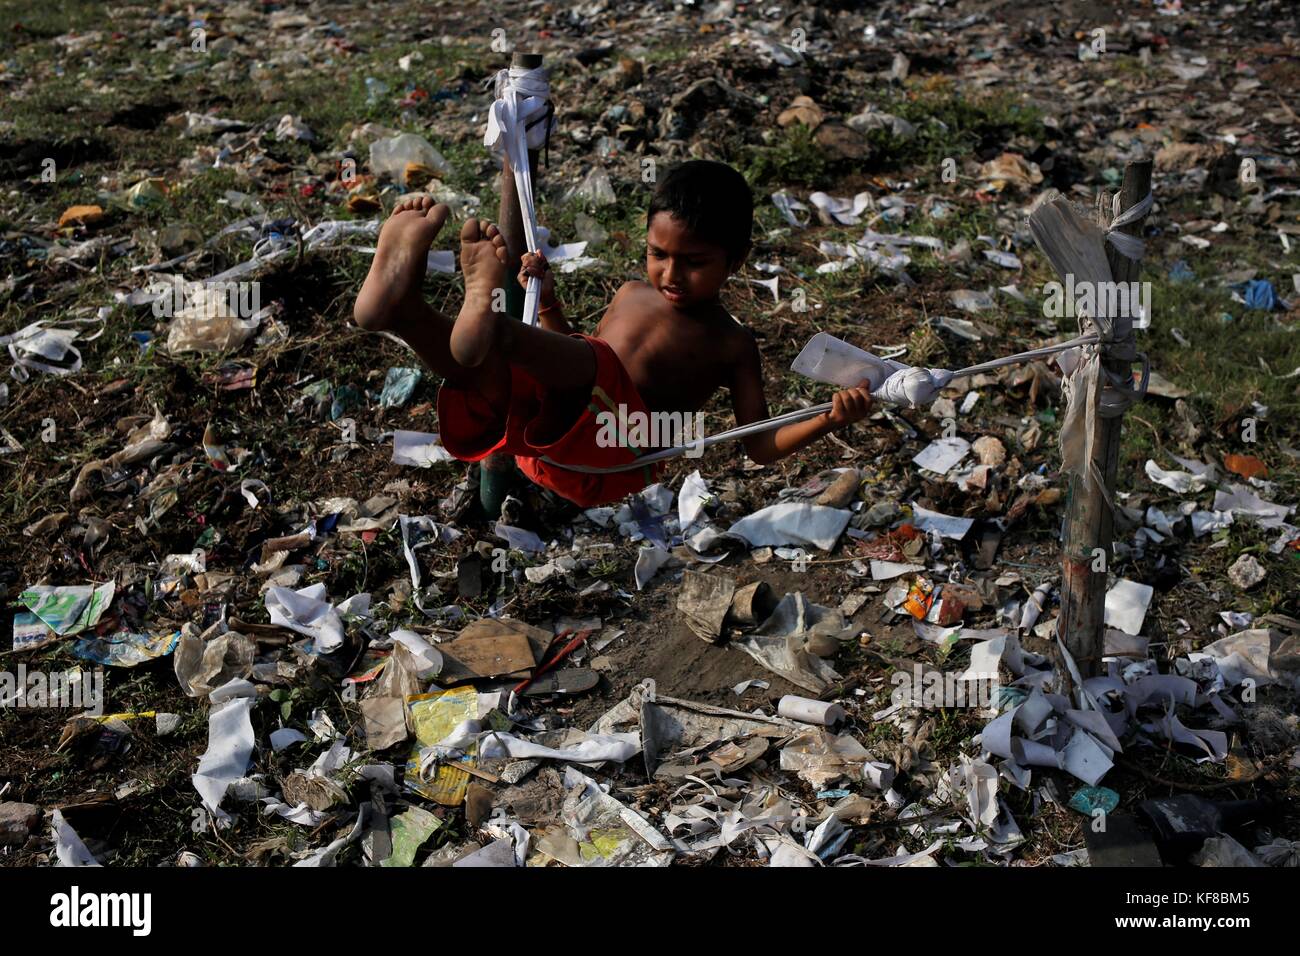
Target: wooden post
<point>1089,524</point>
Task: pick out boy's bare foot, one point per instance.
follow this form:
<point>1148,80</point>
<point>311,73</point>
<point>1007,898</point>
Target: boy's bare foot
<point>400,262</point>
<point>483,260</point>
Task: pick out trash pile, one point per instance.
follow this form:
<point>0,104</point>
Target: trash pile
<point>251,599</point>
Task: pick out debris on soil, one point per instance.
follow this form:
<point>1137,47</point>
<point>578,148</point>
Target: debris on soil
<point>255,615</point>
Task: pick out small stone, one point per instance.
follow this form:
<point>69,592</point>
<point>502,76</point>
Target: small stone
<point>541,573</point>
<point>630,72</point>
<point>841,142</point>
<point>1246,572</point>
<point>804,111</point>
<point>165,724</point>
<point>17,820</point>
<point>853,603</point>
<point>943,408</point>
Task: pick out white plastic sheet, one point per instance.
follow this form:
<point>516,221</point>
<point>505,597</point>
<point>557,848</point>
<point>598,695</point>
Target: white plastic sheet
<point>1126,605</point>
<point>834,361</point>
<point>68,847</point>
<point>230,745</point>
<point>792,523</point>
<point>308,612</point>
<point>420,449</point>
<point>594,749</point>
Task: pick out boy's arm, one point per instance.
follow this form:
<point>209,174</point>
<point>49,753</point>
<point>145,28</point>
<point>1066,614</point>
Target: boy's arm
<point>750,405</point>
<point>551,317</point>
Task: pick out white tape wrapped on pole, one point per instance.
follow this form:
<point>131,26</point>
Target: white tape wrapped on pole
<point>518,122</point>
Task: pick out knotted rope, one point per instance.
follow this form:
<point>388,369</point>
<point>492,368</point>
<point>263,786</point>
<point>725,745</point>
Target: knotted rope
<point>521,118</point>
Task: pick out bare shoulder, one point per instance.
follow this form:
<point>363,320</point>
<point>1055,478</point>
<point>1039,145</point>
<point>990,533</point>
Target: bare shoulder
<point>739,351</point>
<point>631,288</point>
<point>621,307</point>
<point>741,348</point>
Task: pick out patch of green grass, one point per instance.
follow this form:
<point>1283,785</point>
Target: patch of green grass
<point>333,102</point>
<point>201,202</point>
<point>22,22</point>
<point>794,157</point>
<point>953,727</point>
<point>1221,362</point>
<point>669,53</point>
<point>949,124</point>
<point>43,112</point>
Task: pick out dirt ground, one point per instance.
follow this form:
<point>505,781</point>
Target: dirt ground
<point>107,94</point>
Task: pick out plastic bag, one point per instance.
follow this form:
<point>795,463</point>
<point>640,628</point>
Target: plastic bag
<point>390,157</point>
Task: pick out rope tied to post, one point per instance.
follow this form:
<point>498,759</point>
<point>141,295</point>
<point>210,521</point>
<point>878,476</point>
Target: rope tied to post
<point>832,361</point>
<point>1131,247</point>
<point>521,118</point>
<point>1075,247</point>
<point>1118,393</point>
<point>1072,245</point>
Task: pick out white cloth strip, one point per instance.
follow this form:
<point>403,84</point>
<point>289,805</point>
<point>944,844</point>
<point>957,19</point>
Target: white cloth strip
<point>518,122</point>
<point>1131,247</point>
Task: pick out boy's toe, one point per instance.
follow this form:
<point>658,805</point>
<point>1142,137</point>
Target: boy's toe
<point>470,231</point>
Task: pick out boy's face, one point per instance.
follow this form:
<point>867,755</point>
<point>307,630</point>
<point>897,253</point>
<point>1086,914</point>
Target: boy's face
<point>684,269</point>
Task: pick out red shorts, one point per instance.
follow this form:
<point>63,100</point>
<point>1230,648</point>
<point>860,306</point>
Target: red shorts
<point>471,430</point>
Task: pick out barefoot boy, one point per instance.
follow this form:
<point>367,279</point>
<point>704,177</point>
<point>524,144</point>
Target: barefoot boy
<point>663,345</point>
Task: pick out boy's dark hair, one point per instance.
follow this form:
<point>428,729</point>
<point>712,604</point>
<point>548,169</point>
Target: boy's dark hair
<point>712,200</point>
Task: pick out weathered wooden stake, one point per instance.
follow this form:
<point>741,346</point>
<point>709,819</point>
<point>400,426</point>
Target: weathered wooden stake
<point>1089,525</point>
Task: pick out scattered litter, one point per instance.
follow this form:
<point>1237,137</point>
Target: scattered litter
<point>1181,482</point>
<point>468,703</point>
<point>1126,605</point>
<point>420,449</point>
<point>704,600</point>
<point>230,744</point>
<point>69,848</point>
<point>807,711</point>
<point>793,524</point>
<point>942,455</point>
